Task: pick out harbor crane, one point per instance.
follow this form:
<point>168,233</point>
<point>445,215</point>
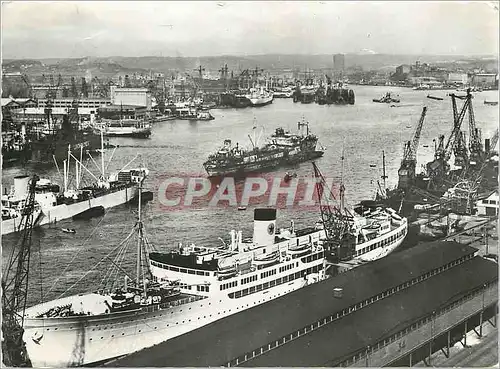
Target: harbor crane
<point>337,220</point>
<point>15,289</point>
<point>200,70</point>
<point>493,141</point>
<point>406,171</point>
<point>439,166</point>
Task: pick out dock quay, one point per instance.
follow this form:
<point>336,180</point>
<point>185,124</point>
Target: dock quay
<point>396,309</point>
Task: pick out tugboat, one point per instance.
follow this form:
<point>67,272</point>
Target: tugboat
<point>190,113</point>
<point>282,148</point>
<point>387,99</point>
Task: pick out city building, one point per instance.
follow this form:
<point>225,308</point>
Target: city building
<point>131,96</point>
<point>489,205</point>
<point>338,62</point>
<point>39,115</point>
<point>403,69</point>
<point>485,80</point>
<point>90,103</point>
<point>10,103</point>
<point>123,112</point>
<point>458,78</point>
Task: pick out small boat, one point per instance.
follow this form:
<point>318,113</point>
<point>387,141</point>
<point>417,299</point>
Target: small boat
<point>434,97</point>
<point>146,196</point>
<point>68,230</point>
<point>387,98</point>
<point>242,208</point>
<point>373,165</point>
<point>288,176</point>
<point>96,211</point>
<point>493,103</point>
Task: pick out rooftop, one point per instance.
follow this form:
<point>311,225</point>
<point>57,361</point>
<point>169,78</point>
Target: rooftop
<point>286,314</point>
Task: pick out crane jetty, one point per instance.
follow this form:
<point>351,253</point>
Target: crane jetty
<point>454,187</point>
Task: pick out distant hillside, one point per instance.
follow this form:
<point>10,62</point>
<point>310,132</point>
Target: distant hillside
<point>70,66</point>
<point>270,62</point>
<point>128,65</point>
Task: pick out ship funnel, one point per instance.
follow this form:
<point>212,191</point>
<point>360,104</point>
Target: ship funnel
<point>264,223</point>
<point>21,184</point>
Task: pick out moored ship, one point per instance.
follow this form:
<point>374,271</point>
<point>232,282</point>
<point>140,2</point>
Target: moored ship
<point>211,283</point>
<point>54,205</point>
<point>126,128</point>
<point>282,148</point>
<point>259,96</point>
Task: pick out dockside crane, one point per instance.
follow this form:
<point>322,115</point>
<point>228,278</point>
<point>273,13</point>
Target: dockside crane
<point>439,166</point>
<point>493,142</point>
<point>475,144</point>
<point>337,220</point>
<point>15,289</point>
<point>406,171</point>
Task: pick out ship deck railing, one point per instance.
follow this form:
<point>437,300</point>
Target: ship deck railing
<point>173,303</point>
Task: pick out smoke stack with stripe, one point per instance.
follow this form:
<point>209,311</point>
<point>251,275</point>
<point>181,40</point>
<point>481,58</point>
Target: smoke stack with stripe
<point>264,226</point>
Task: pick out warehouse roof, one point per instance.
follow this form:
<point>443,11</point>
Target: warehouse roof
<point>337,341</point>
<point>297,309</point>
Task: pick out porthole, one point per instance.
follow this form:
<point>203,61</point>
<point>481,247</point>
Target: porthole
<point>112,335</point>
<point>102,338</point>
<point>123,334</point>
<point>176,322</point>
<point>90,339</point>
<point>139,331</point>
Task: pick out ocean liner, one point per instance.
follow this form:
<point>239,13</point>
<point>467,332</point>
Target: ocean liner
<point>282,148</point>
<point>188,288</point>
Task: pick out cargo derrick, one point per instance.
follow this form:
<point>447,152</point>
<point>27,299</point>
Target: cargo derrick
<point>337,220</point>
<point>475,145</point>
<point>406,171</point>
<point>460,148</point>
<point>15,290</point>
<point>439,167</point>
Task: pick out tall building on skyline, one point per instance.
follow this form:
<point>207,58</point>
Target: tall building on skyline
<point>338,62</point>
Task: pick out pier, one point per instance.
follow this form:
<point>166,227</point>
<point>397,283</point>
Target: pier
<point>382,304</point>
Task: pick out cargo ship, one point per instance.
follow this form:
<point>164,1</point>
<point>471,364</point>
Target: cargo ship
<point>126,128</point>
<point>259,96</point>
<point>49,142</point>
<point>53,205</point>
<point>282,148</point>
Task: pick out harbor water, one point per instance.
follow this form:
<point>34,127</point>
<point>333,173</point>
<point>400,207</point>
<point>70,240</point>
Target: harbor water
<point>60,260</point>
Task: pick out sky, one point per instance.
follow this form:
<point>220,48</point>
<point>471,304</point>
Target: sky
<point>203,28</point>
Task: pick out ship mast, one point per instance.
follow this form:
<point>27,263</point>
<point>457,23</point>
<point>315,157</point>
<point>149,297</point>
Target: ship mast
<point>384,176</point>
<point>102,155</point>
<point>139,237</point>
<point>342,188</point>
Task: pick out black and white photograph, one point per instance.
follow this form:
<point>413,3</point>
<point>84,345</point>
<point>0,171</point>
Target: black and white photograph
<point>249,183</point>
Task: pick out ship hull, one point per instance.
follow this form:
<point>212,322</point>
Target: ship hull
<point>126,132</point>
<point>383,246</point>
<point>16,224</point>
<point>260,101</point>
<point>53,214</point>
<point>110,200</point>
<point>264,164</point>
<point>76,341</point>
